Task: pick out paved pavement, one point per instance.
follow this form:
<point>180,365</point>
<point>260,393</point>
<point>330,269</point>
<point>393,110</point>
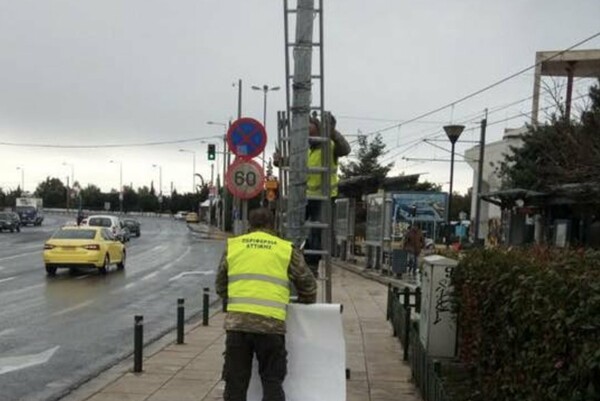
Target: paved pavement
<point>192,371</point>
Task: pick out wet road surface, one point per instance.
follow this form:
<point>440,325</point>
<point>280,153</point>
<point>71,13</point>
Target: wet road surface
<point>57,332</point>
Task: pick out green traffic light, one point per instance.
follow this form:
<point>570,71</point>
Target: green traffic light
<point>211,152</point>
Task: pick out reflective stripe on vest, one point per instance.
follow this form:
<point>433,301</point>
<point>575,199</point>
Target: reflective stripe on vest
<point>313,180</point>
<point>257,274</point>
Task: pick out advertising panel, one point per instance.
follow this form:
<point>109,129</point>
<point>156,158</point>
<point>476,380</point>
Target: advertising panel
<point>425,209</point>
<point>375,212</point>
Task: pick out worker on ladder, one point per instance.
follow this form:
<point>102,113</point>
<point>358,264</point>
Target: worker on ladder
<point>339,147</point>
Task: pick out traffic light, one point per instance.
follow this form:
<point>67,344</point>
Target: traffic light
<point>211,151</point>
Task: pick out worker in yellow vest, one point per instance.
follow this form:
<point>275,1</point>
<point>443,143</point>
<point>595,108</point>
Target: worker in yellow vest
<point>339,147</point>
<point>254,277</point>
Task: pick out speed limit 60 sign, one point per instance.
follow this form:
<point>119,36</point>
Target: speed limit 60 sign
<point>245,179</point>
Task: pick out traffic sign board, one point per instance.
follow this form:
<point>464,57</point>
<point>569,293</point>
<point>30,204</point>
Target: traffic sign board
<point>246,137</point>
<point>245,179</point>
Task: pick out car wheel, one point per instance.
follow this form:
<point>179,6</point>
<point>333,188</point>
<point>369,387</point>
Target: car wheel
<point>51,270</point>
<point>121,264</point>
<point>105,266</point>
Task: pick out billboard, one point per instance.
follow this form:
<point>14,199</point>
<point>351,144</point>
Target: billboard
<point>375,205</point>
<point>425,209</point>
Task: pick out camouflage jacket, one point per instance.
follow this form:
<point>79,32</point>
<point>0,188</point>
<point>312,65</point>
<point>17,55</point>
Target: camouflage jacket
<point>299,274</point>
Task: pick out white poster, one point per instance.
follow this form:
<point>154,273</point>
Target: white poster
<point>316,355</point>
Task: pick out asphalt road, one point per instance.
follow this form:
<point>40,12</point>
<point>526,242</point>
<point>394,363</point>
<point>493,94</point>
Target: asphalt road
<point>57,332</point>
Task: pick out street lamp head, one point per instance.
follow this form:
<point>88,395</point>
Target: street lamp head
<point>256,88</point>
<point>453,131</point>
<point>275,88</point>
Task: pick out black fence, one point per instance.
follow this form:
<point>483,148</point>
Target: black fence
<point>403,307</point>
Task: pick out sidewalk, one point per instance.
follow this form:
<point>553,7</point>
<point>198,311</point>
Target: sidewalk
<point>192,371</point>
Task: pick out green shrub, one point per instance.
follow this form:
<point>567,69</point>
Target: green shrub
<point>529,323</point>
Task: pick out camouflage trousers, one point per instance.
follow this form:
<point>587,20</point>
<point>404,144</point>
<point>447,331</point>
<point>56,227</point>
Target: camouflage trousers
<point>240,347</point>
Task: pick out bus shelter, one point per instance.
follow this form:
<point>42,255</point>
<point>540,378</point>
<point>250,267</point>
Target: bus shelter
<point>344,232</point>
<point>389,216</point>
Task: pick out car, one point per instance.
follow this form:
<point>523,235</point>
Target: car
<point>180,215</point>
<point>10,221</point>
<point>133,226</point>
<point>192,217</point>
<point>111,222</point>
<point>83,246</point>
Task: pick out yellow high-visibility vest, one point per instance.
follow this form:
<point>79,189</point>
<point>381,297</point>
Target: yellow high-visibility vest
<point>313,180</point>
<point>257,274</point>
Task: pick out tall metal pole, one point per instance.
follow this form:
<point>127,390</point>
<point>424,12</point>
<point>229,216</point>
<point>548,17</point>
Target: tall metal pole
<point>450,194</point>
<point>299,121</point>
<point>480,178</point>
<point>194,172</point>
<point>210,197</point>
<point>224,188</point>
<point>239,114</point>
<point>121,187</point>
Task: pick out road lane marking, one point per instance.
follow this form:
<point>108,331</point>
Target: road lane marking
<point>82,277</point>
<point>6,332</point>
<point>19,255</point>
<point>7,279</point>
<point>12,363</point>
<point>149,276</point>
<point>72,308</point>
<point>128,286</point>
<point>192,273</point>
<point>171,264</point>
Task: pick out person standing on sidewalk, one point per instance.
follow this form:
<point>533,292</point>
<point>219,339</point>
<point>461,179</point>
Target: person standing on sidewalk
<point>414,241</point>
<point>254,277</point>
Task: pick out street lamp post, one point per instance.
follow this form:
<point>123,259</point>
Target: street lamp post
<point>265,89</point>
<point>120,184</point>
<point>69,187</point>
<point>159,184</point>
<point>193,167</point>
<point>22,178</point>
<point>453,132</point>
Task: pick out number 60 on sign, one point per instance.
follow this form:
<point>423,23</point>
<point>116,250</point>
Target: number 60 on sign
<point>245,179</point>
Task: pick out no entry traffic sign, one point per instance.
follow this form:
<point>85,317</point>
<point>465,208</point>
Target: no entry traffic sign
<point>245,179</point>
<point>246,138</point>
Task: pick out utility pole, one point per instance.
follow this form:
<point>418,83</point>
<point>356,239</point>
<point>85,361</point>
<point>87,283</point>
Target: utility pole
<point>299,121</point>
<point>480,178</point>
<point>210,195</point>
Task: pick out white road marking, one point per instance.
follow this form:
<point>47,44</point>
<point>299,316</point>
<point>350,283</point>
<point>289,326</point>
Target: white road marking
<point>171,264</point>
<point>20,255</point>
<point>82,277</point>
<point>72,308</point>
<point>149,276</point>
<point>6,332</point>
<point>192,273</point>
<point>7,279</point>
<point>130,285</point>
<point>12,363</point>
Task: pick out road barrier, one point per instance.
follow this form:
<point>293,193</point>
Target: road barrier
<point>180,320</point>
<point>138,343</point>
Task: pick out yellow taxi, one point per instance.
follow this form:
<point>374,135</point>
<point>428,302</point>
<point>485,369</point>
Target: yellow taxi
<point>83,246</point>
<point>192,217</point>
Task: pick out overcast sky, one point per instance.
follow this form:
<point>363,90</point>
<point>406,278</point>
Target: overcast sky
<point>113,72</point>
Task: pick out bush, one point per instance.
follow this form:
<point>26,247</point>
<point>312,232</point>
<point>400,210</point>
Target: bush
<point>529,323</point>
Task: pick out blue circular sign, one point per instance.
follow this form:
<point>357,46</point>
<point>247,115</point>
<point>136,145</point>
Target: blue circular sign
<point>246,138</point>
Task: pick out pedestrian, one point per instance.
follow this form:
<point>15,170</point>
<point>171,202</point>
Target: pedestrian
<point>339,147</point>
<point>414,241</point>
<point>254,277</point>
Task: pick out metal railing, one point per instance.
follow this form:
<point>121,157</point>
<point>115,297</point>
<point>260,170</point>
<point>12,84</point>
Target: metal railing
<point>403,307</point>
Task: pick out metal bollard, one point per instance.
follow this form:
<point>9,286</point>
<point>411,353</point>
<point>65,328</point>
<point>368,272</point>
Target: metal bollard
<point>205,304</point>
<point>418,300</point>
<point>138,343</point>
<point>180,320</point>
<point>406,339</point>
<point>388,313</point>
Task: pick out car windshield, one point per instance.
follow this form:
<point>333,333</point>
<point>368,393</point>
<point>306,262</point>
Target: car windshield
<point>25,209</point>
<point>130,222</point>
<point>74,234</point>
<point>100,222</point>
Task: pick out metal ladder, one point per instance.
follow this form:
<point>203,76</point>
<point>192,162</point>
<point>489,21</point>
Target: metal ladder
<point>303,49</point>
